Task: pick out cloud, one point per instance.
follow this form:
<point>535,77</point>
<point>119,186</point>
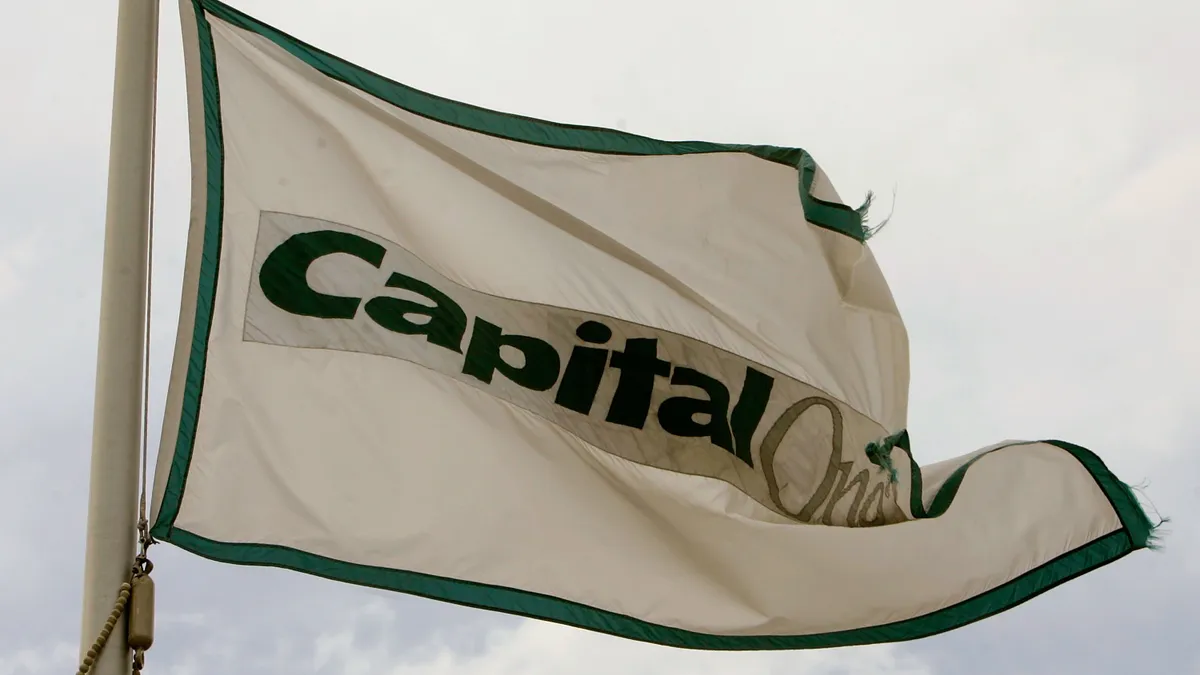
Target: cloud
<point>47,658</point>
<point>537,648</point>
<point>14,262</point>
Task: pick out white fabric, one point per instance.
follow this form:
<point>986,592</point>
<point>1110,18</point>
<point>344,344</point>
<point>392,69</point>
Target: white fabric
<point>343,438</point>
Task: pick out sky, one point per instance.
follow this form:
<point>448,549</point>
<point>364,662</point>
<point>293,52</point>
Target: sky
<point>1043,156</point>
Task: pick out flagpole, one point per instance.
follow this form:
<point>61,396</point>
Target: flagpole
<point>116,421</point>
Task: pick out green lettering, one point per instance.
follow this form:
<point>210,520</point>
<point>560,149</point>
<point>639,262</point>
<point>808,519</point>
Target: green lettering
<point>539,371</point>
<point>585,369</point>
<point>677,415</point>
<point>284,274</point>
<point>445,322</point>
<point>747,414</point>
<point>639,365</point>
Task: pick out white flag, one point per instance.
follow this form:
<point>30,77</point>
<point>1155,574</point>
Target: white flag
<point>648,388</point>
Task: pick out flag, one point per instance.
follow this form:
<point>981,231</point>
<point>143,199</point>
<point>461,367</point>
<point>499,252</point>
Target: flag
<point>654,389</point>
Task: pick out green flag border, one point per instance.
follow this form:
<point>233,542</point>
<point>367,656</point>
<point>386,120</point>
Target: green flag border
<point>1135,532</point>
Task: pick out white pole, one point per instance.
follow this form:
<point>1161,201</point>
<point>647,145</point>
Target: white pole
<point>116,422</point>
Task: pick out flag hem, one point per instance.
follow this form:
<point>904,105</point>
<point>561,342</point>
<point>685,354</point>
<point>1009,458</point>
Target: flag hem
<point>211,213</point>
<point>828,215</point>
<point>1133,534</point>
<point>1097,553</point>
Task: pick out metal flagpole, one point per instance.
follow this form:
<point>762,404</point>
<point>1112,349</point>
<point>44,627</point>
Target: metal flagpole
<point>116,424</point>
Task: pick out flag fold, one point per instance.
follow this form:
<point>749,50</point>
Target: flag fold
<point>654,389</point>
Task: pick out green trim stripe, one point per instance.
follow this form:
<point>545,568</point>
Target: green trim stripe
<point>210,263</point>
<point>829,215</point>
<point>1133,519</point>
<point>1134,533</point>
<point>548,608</point>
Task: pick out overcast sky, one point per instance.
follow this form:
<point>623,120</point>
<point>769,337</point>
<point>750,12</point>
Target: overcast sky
<point>1043,254</point>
